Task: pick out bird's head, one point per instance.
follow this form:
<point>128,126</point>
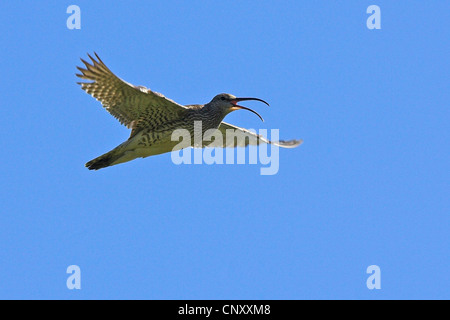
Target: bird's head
<point>227,103</point>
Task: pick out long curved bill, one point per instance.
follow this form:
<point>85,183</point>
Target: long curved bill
<point>246,99</point>
<point>237,107</point>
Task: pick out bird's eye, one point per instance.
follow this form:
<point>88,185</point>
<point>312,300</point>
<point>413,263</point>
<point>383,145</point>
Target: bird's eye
<point>222,98</point>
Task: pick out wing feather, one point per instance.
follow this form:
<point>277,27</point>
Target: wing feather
<point>133,106</point>
<point>245,137</point>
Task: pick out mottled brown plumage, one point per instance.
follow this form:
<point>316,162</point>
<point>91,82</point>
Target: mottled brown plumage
<point>152,117</point>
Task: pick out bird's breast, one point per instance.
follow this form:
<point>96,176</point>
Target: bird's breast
<point>196,127</point>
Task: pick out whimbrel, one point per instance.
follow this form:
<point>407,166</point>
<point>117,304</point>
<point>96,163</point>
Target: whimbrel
<point>153,118</point>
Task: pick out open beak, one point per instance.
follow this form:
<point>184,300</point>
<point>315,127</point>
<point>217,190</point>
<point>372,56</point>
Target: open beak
<point>236,107</point>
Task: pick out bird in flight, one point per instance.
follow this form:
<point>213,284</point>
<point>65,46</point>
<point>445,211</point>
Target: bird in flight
<point>153,118</point>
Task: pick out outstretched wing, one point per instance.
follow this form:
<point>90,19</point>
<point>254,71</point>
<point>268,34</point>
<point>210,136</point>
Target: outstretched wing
<point>243,137</point>
<point>133,106</point>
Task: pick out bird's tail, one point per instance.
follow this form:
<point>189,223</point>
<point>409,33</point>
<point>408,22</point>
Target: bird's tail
<point>110,158</point>
<point>103,161</point>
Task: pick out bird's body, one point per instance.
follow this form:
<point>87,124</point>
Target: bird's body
<point>152,141</point>
<point>153,118</point>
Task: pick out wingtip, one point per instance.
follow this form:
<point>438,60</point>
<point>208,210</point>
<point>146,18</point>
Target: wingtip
<point>296,143</point>
<point>90,57</point>
<point>87,64</point>
<point>290,144</point>
<point>99,60</point>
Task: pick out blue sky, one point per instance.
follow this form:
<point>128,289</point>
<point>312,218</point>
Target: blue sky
<point>370,185</point>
